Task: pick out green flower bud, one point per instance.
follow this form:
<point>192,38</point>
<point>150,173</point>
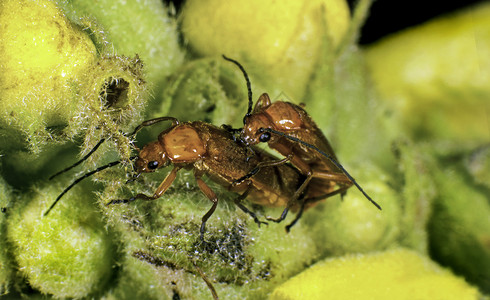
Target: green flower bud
<point>67,253</point>
<point>354,224</point>
<point>342,102</point>
<point>478,165</point>
<point>239,258</point>
<point>6,265</point>
<point>52,83</point>
<point>210,89</point>
<point>458,228</point>
<point>416,163</point>
<point>133,28</point>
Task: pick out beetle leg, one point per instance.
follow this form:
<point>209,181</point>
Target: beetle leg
<point>312,201</point>
<point>211,196</point>
<point>260,165</point>
<point>337,177</point>
<point>300,190</point>
<point>282,217</point>
<point>291,201</point>
<point>166,183</point>
<point>297,193</point>
<point>281,148</point>
<point>162,188</point>
<point>310,174</point>
<point>238,203</point>
<point>298,215</point>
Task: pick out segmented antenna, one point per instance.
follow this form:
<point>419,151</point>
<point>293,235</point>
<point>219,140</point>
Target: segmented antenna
<point>111,164</point>
<point>338,165</point>
<point>151,122</point>
<point>80,161</point>
<point>88,174</point>
<point>249,86</point>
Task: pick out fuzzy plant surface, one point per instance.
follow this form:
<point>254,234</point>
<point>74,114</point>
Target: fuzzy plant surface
<point>5,261</point>
<point>106,66</point>
<point>68,253</point>
<point>384,275</point>
<point>56,83</point>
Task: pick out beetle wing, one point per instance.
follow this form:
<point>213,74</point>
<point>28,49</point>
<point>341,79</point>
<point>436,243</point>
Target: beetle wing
<point>225,161</point>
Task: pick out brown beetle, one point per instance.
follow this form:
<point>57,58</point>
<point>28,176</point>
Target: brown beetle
<point>212,151</point>
<point>288,129</point>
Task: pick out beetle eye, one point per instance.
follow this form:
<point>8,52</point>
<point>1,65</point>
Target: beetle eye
<point>265,137</point>
<point>152,165</point>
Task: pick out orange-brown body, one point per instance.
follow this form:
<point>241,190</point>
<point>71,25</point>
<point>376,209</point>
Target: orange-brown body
<point>287,128</point>
<point>324,178</point>
<point>210,150</point>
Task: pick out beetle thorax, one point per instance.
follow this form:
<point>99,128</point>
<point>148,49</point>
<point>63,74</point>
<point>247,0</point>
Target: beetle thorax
<point>284,116</point>
<point>183,144</point>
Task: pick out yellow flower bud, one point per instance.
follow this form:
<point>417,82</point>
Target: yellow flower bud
<point>41,53</point>
<point>436,76</point>
<point>395,274</point>
<point>281,38</point>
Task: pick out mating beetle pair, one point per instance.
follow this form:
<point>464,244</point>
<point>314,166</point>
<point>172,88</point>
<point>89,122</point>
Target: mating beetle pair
<point>309,171</point>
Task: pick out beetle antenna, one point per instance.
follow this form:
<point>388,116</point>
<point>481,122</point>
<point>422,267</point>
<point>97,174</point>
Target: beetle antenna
<point>151,122</point>
<point>88,174</point>
<point>249,85</point>
<point>80,161</point>
<point>337,164</point>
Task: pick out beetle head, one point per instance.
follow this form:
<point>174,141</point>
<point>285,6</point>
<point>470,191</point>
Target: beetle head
<point>251,133</point>
<point>150,158</point>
